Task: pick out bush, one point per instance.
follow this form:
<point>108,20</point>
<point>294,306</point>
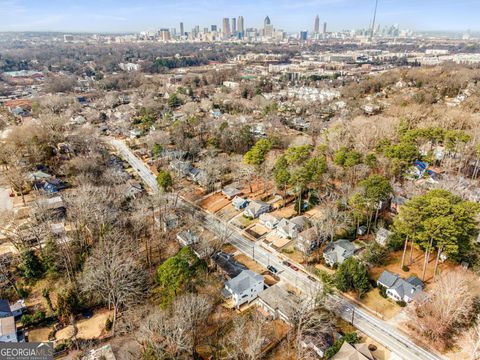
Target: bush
<point>405,268</point>
<point>351,338</point>
<point>108,324</point>
<point>33,320</point>
<point>401,303</point>
<point>383,291</point>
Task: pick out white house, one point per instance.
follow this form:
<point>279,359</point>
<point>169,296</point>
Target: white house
<point>382,236</point>
<point>399,289</point>
<point>256,208</point>
<point>291,228</point>
<point>244,288</point>
<point>269,221</point>
<point>338,251</point>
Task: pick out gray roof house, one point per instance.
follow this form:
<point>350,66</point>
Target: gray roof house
<point>187,237</point>
<point>239,203</point>
<point>338,251</point>
<point>256,208</point>
<point>399,289</point>
<point>289,228</point>
<point>244,288</point>
<point>230,192</point>
<point>269,221</point>
<point>279,303</point>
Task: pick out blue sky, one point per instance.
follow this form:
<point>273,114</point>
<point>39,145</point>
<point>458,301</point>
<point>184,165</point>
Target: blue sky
<point>290,15</point>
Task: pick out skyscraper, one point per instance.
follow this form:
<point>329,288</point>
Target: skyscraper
<point>316,26</point>
<point>213,28</point>
<point>266,21</point>
<point>324,28</point>
<point>226,27</point>
<point>234,26</point>
<point>240,25</point>
<point>303,35</point>
<point>182,30</point>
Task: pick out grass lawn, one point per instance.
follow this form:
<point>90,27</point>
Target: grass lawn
<point>373,300</point>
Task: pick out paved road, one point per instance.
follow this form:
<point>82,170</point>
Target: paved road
<point>375,328</point>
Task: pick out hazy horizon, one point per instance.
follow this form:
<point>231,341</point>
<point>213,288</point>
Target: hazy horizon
<point>123,16</point>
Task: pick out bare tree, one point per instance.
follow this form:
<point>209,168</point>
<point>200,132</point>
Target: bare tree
<point>447,310</point>
<point>113,274</point>
<point>246,338</point>
<point>173,333</point>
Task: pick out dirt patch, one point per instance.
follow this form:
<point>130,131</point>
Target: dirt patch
<point>87,329</point>
<point>257,231</point>
<point>381,352</point>
<point>251,264</point>
<point>39,335</point>
<point>214,202</point>
<point>285,212</point>
<point>228,212</point>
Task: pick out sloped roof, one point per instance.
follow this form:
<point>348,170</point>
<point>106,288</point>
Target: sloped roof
<point>351,352</point>
<point>244,281</point>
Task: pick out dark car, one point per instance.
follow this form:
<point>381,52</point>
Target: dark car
<point>286,263</point>
<point>272,269</point>
<point>311,278</point>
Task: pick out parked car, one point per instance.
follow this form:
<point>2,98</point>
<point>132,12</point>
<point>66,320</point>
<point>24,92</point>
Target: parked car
<point>272,269</point>
<point>286,263</point>
<point>293,267</point>
<point>311,278</point>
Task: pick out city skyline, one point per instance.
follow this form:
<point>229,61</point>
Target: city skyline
<point>125,16</point>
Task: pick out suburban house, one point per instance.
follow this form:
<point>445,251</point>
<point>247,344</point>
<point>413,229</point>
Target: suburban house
<point>307,240</point>
<point>338,251</point>
<point>269,221</point>
<point>399,289</point>
<point>382,235</point>
<point>228,265</point>
<point>187,237</point>
<point>256,208</point>
<point>353,352</point>
<point>230,192</point>
<point>291,228</point>
<point>396,202</point>
<point>8,329</point>
<point>244,287</point>
<point>278,303</point>
<point>239,203</point>
<point>181,167</point>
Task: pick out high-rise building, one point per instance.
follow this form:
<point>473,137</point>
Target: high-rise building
<point>226,27</point>
<point>324,28</point>
<point>316,26</point>
<point>303,35</point>
<point>182,30</point>
<point>164,34</point>
<point>234,26</point>
<point>266,21</point>
<point>213,28</point>
<point>240,25</point>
